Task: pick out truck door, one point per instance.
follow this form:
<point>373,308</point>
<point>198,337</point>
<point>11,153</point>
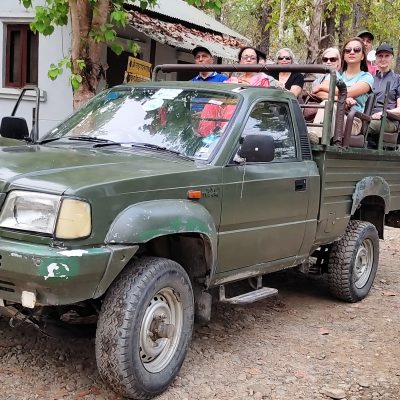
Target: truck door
<point>264,207</point>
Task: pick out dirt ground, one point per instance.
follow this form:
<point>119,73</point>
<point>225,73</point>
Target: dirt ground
<point>301,345</point>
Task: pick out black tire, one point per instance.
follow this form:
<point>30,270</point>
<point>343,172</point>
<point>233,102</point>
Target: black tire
<point>149,295</point>
<point>353,262</point>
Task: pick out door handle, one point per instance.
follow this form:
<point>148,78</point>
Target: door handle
<point>300,185</point>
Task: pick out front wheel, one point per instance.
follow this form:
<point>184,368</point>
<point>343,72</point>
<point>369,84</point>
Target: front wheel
<point>353,262</point>
<point>145,327</point>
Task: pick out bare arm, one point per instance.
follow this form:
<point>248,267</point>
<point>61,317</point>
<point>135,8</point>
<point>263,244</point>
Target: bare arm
<point>394,111</point>
<point>322,95</point>
<point>296,90</point>
<point>321,88</point>
<point>358,89</point>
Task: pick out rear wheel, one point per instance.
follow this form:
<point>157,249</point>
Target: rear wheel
<point>145,327</point>
<point>353,262</point>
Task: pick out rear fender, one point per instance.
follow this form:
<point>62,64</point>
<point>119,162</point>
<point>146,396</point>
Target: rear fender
<point>371,186</point>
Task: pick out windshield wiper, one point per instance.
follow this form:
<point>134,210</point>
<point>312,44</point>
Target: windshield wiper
<point>93,139</point>
<point>49,140</point>
<point>161,148</point>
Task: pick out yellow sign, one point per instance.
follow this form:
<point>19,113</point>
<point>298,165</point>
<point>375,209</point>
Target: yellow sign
<point>138,70</point>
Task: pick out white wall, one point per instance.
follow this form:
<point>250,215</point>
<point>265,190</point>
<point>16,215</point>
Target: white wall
<point>56,101</point>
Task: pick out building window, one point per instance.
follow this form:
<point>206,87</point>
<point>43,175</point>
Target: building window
<point>21,56</point>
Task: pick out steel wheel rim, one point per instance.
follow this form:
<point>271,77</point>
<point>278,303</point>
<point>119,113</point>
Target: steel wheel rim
<point>164,313</point>
<point>363,263</point>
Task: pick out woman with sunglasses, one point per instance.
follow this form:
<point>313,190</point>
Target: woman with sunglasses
<point>358,80</point>
<point>293,81</point>
<point>249,56</point>
<point>330,58</point>
<point>354,74</point>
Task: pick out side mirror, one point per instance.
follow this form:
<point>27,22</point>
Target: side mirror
<point>257,148</point>
<point>14,128</point>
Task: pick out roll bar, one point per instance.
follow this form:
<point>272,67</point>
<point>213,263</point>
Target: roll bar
<point>305,68</point>
<point>34,136</point>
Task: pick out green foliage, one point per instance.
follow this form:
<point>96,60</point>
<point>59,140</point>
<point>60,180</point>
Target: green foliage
<point>55,13</point>
<point>56,70</point>
<point>214,5</point>
<point>76,81</point>
<point>380,16</point>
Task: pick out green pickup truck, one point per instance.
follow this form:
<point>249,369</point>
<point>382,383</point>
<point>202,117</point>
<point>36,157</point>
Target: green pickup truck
<point>156,197</point>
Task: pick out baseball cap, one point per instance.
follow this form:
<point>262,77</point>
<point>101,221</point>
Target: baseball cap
<point>384,47</point>
<point>200,48</point>
<point>365,33</point>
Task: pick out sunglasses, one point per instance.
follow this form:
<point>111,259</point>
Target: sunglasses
<point>287,58</point>
<point>331,59</point>
<point>249,58</point>
<point>348,50</point>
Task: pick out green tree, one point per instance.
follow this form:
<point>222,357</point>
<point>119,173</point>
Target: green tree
<point>93,25</point>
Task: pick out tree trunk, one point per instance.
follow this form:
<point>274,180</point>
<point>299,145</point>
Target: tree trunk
<point>361,12</point>
<point>329,31</point>
<point>315,31</point>
<point>263,20</point>
<point>281,22</point>
<point>342,33</point>
<point>85,17</point>
<point>397,65</point>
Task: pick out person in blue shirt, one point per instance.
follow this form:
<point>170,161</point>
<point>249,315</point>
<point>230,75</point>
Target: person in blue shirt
<point>203,56</point>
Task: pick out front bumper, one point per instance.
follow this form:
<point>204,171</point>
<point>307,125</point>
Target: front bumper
<point>55,276</point>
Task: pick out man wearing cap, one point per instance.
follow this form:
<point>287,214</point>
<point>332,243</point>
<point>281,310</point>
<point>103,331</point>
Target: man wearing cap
<point>203,56</point>
<point>384,75</point>
<point>368,39</point>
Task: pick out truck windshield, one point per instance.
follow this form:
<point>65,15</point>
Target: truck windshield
<point>187,121</point>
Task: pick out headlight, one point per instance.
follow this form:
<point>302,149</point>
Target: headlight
<point>38,212</point>
<point>30,211</point>
<point>74,220</point>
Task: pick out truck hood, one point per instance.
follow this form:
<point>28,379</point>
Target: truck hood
<point>57,169</point>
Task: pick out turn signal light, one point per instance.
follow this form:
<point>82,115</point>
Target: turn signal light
<point>194,194</point>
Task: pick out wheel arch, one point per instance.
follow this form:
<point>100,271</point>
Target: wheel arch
<point>371,201</point>
<point>180,230</point>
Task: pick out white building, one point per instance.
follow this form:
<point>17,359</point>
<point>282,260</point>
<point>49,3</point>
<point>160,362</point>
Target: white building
<point>166,34</point>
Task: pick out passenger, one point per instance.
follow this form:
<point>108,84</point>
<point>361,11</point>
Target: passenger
<point>215,117</point>
<point>384,75</point>
<point>358,80</point>
<point>293,81</point>
<point>203,56</point>
<point>249,56</point>
<point>262,57</point>
<point>368,40</point>
<point>330,58</point>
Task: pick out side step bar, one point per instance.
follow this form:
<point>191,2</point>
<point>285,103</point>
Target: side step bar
<point>260,293</point>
